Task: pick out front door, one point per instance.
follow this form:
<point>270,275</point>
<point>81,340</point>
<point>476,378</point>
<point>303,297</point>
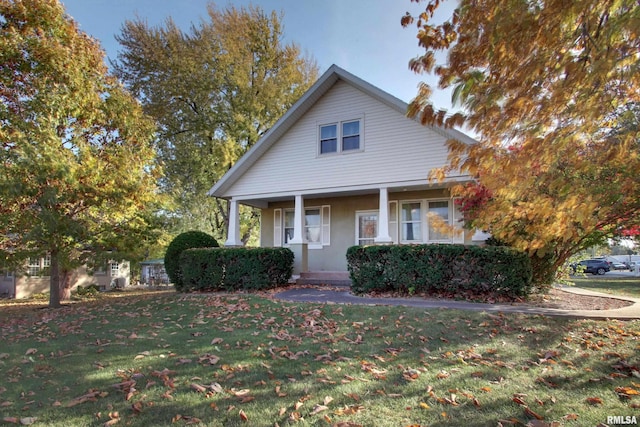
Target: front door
<point>366,227</point>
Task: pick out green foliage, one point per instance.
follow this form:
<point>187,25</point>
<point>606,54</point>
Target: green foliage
<point>462,271</point>
<point>78,166</point>
<point>182,242</point>
<point>86,292</point>
<point>235,268</point>
<point>214,90</point>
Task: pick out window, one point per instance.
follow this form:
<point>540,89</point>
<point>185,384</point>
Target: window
<point>288,226</point>
<point>438,219</point>
<point>312,226</point>
<point>316,226</point>
<point>350,136</point>
<point>411,222</point>
<point>46,265</point>
<point>348,133</point>
<point>115,269</point>
<point>33,268</point>
<point>366,227</point>
<point>328,139</point>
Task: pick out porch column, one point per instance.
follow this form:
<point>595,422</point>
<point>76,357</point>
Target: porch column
<point>298,220</point>
<point>383,218</point>
<point>298,244</point>
<point>233,234</point>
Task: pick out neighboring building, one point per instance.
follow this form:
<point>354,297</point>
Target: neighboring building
<point>152,272</point>
<point>36,278</point>
<point>344,166</point>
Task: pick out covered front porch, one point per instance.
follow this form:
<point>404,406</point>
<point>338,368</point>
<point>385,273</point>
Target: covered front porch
<point>320,226</point>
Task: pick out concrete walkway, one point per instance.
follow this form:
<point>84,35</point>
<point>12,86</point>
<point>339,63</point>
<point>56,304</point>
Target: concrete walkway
<point>344,296</point>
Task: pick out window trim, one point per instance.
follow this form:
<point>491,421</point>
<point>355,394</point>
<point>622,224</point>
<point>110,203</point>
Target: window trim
<point>340,136</point>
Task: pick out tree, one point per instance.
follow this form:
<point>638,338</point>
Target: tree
<point>214,91</point>
<point>79,173</point>
<point>548,87</point>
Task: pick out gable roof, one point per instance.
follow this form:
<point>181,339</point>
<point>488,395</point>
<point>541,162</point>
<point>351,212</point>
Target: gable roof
<point>304,104</point>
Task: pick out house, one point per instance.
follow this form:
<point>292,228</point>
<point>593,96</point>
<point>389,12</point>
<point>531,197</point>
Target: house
<point>344,166</point>
<point>35,279</point>
<point>152,272</point>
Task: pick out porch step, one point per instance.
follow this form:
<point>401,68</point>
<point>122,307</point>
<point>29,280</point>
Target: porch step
<point>334,278</point>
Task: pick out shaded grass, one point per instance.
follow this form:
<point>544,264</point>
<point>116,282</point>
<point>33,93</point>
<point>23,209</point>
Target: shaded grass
<point>610,285</point>
<point>276,362</point>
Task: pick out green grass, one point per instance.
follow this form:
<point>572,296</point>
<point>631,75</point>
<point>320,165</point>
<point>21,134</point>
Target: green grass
<point>609,285</point>
<point>139,357</point>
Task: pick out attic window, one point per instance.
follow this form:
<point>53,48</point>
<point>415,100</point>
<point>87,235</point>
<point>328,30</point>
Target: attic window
<point>328,139</point>
<point>347,132</point>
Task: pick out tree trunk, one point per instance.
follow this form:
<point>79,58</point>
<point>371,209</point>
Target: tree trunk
<point>65,284</point>
<point>54,284</point>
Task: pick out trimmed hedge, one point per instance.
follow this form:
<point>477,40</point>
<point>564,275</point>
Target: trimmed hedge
<point>232,269</point>
<point>463,270</point>
<point>182,242</point>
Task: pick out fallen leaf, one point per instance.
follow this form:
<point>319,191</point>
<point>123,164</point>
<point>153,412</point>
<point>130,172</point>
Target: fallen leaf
<point>31,351</point>
<point>318,408</point>
<point>594,400</point>
<point>533,414</point>
<point>27,421</point>
<point>243,416</point>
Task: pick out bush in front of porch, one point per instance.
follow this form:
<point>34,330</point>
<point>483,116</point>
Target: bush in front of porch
<point>234,269</point>
<point>469,272</point>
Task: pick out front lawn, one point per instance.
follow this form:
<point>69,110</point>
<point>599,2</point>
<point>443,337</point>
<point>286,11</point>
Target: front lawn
<point>215,360</point>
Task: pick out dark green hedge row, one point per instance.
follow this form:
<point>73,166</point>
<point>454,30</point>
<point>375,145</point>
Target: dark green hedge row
<point>458,269</point>
<point>235,268</point>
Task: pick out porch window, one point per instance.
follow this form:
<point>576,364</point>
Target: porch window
<point>312,226</point>
<point>411,222</point>
<point>437,217</point>
<point>316,226</point>
<point>367,227</point>
<point>288,226</point>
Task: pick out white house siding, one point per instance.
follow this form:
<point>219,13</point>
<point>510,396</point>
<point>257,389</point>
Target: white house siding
<point>343,223</point>
<point>396,149</point>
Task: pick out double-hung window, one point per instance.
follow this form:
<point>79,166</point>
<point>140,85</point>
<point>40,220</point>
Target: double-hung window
<point>340,137</point>
<point>315,227</point>
<point>438,218</point>
<point>411,216</point>
<point>431,221</point>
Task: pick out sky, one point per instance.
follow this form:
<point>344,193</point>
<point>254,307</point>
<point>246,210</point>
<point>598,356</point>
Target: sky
<point>363,37</point>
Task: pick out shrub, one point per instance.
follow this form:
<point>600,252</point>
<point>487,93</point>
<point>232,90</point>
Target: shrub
<point>475,271</point>
<point>235,268</point>
<point>182,242</point>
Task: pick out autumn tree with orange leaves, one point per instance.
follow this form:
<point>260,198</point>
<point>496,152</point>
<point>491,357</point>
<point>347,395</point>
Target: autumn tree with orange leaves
<point>552,90</point>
